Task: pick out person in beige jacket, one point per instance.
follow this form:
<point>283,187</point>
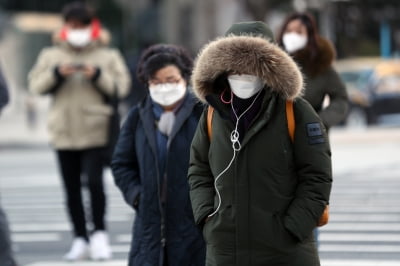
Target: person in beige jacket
<point>80,72</point>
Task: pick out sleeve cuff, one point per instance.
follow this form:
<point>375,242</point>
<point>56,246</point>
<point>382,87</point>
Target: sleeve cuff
<point>57,74</point>
<point>96,75</point>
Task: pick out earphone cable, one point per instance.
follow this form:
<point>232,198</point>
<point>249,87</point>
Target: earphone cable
<point>236,146</point>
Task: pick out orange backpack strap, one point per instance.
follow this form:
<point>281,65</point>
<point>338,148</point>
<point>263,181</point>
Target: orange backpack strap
<point>210,113</point>
<point>290,119</point>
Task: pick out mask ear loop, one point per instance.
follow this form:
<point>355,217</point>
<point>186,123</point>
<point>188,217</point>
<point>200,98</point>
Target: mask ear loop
<point>96,29</point>
<point>222,97</point>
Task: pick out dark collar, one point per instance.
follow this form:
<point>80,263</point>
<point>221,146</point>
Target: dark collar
<point>224,110</point>
<point>183,113</point>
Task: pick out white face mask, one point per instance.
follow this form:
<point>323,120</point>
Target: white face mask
<point>294,42</point>
<point>79,38</point>
<point>245,86</point>
<point>167,94</point>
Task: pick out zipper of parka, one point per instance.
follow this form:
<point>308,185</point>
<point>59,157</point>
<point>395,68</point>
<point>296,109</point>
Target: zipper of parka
<point>235,202</point>
<point>242,220</point>
<point>163,209</point>
<point>162,227</point>
<point>149,131</point>
<point>162,222</point>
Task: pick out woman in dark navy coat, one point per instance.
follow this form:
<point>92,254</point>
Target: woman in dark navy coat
<point>151,159</point>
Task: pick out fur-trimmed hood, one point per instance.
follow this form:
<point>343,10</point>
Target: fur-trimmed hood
<point>247,55</point>
<point>323,59</point>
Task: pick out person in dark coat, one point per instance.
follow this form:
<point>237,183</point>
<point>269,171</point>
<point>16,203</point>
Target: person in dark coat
<point>257,193</point>
<point>151,159</point>
<point>315,55</point>
<point>4,97</point>
<point>6,254</point>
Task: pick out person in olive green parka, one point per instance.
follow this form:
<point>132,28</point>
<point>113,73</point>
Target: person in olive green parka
<point>257,204</point>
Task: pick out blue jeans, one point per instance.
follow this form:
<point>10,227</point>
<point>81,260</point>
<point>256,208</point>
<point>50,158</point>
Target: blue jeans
<point>316,234</point>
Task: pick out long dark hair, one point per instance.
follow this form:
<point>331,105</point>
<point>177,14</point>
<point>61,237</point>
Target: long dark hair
<point>312,32</point>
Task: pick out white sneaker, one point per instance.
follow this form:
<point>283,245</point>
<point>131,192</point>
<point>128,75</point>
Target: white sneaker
<point>79,250</point>
<point>100,246</point>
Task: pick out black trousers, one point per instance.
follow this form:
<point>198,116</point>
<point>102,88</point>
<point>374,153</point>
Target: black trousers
<point>6,254</point>
<point>75,164</point>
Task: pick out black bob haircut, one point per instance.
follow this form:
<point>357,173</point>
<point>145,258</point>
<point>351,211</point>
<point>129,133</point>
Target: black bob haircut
<point>78,11</point>
<point>159,56</point>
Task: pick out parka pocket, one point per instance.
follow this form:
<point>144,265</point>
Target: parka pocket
<point>286,239</point>
<point>136,203</point>
<point>268,232</point>
<point>219,231</point>
<point>205,226</point>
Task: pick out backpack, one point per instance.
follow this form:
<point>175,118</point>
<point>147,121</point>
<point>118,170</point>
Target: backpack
<point>323,220</point>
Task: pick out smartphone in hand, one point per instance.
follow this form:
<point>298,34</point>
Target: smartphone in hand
<point>78,66</point>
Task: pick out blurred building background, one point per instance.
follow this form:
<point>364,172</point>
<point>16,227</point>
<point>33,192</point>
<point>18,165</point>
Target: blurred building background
<point>356,27</point>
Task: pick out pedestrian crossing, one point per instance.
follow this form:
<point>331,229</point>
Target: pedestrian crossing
<point>33,199</point>
<point>364,227</point>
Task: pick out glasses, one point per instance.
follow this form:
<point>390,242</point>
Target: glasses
<point>167,80</point>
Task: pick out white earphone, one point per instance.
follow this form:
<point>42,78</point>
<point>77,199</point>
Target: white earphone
<point>236,146</point>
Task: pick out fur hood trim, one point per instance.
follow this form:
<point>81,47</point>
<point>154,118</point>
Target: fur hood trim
<point>247,55</point>
<point>324,58</point>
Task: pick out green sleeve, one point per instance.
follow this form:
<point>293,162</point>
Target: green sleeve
<point>201,180</point>
<point>312,158</point>
<point>339,103</point>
